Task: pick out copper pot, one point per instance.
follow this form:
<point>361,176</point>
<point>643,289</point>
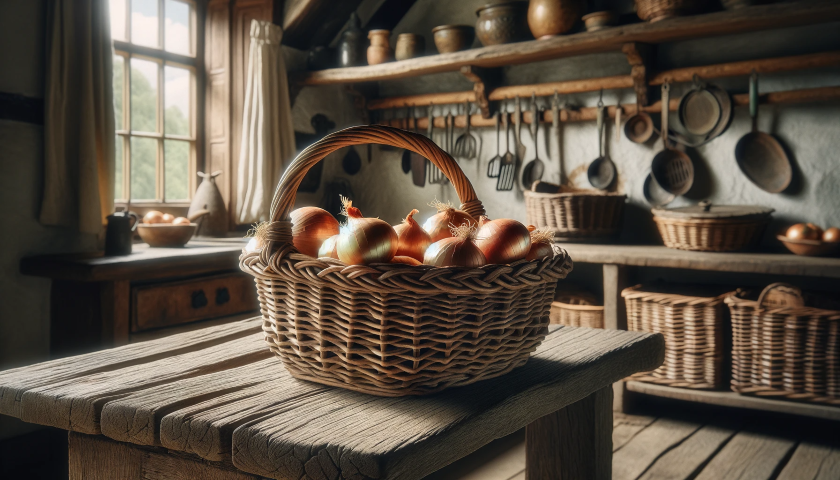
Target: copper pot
<point>548,18</point>
<point>503,22</point>
<point>379,50</point>
<point>452,38</point>
<point>409,45</point>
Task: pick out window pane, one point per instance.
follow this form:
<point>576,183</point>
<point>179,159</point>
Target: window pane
<point>117,11</point>
<point>144,77</point>
<point>177,100</point>
<point>119,73</point>
<point>144,22</point>
<point>177,27</point>
<point>143,159</point>
<point>118,170</point>
<point>176,168</point>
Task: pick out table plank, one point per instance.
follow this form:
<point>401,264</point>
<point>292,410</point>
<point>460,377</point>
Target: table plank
<point>749,456</point>
<point>689,457</point>
<point>358,436</point>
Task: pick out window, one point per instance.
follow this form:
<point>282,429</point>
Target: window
<point>155,99</point>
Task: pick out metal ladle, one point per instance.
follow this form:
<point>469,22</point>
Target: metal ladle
<point>601,172</point>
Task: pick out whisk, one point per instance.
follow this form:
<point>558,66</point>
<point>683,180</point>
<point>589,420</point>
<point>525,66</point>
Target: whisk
<point>465,146</point>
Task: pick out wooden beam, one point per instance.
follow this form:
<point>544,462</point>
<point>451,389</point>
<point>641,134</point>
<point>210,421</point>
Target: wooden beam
<point>756,18</point>
<point>639,57</point>
<point>484,80</point>
<point>307,23</point>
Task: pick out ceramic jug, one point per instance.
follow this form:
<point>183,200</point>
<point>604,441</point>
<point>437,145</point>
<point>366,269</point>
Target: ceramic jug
<point>208,196</point>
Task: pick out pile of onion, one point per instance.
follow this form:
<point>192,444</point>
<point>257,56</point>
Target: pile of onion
<point>310,227</point>
<point>438,226</point>
<point>365,240</point>
<point>406,260</point>
<point>540,243</point>
<point>155,217</point>
<point>413,240</point>
<point>328,247</point>
<point>459,250</point>
<point>503,240</point>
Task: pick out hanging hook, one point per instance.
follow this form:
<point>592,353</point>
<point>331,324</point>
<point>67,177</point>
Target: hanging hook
<point>601,98</point>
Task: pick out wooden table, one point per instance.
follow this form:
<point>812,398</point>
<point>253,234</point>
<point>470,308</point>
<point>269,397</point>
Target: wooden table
<point>216,404</point>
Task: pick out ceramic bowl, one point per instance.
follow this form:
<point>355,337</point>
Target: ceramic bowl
<point>809,248</point>
<point>453,38</point>
<point>598,20</point>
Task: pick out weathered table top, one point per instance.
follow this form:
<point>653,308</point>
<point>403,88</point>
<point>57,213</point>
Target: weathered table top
<point>220,394</point>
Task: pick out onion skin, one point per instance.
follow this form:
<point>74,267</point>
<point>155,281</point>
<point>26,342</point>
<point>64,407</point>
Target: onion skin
<point>503,240</point>
<point>181,221</point>
<point>365,240</point>
<point>413,240</point>
<point>538,251</point>
<point>167,218</point>
<point>328,248</point>
<point>153,216</point>
<point>804,231</point>
<point>454,252</point>
<point>254,245</point>
<point>310,227</point>
<point>831,235</point>
<point>405,260</point>
<point>438,225</point>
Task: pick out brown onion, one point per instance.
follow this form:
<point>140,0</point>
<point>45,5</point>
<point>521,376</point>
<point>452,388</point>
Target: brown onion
<point>405,260</point>
<point>310,227</point>
<point>254,245</point>
<point>458,250</point>
<point>439,225</point>
<point>365,240</point>
<point>831,235</point>
<point>167,218</point>
<point>804,231</point>
<point>540,243</point>
<point>181,221</point>
<point>328,247</point>
<point>413,240</point>
<point>503,240</point>
<point>153,216</point>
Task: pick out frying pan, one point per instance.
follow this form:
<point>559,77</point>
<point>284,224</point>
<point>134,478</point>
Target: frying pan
<point>759,155</point>
<point>639,127</point>
<point>725,102</point>
<point>699,109</point>
<point>672,169</point>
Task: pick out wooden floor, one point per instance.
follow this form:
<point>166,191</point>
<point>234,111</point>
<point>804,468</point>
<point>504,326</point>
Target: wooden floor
<point>705,446</point>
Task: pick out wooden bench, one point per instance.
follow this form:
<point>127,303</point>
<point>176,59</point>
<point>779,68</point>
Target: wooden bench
<point>216,404</point>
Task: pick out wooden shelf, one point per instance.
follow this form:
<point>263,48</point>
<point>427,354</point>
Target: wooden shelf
<point>745,20</point>
<point>732,399</point>
<point>660,256</point>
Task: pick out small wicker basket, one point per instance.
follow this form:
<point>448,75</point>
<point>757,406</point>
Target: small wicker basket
<point>782,348</point>
<point>576,309</point>
<point>694,330</point>
<point>576,214</point>
<point>712,228</point>
<point>394,329</point>
<point>656,10</point>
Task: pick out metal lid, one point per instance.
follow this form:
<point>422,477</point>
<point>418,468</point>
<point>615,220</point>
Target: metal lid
<point>707,210</point>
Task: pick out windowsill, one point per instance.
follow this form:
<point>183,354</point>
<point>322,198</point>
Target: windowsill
<point>179,209</point>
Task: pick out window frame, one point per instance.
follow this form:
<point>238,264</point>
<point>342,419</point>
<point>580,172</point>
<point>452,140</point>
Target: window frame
<point>163,58</point>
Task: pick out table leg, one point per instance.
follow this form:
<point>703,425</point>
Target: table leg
<point>574,443</point>
<point>615,317</point>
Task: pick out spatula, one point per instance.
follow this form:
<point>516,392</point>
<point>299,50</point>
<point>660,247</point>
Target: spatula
<point>507,171</point>
<point>496,162</point>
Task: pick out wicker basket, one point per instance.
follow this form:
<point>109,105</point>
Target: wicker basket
<point>576,214</point>
<point>655,10</point>
<point>708,228</point>
<point>395,329</point>
<point>694,329</point>
<point>576,309</point>
<point>782,348</point>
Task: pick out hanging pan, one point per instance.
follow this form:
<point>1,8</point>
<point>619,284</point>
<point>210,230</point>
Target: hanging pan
<point>699,109</point>
<point>639,127</point>
<point>601,171</point>
<point>671,168</point>
<point>759,155</point>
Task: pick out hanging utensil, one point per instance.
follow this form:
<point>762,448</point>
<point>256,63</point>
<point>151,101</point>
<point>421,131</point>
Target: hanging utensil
<point>465,146</point>
<point>555,130</point>
<point>431,170</point>
<point>699,109</point>
<point>639,127</point>
<point>656,195</point>
<point>533,170</point>
<point>519,152</point>
<point>496,162</point>
<point>759,155</point>
<point>393,117</point>
<point>450,132</point>
<point>352,162</point>
<point>618,121</point>
<point>418,162</point>
<point>507,170</point>
<point>406,154</point>
<point>601,172</point>
<point>671,168</point>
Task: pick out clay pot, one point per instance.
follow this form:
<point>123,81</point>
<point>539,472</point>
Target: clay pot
<point>351,47</point>
<point>453,38</point>
<point>656,10</point>
<point>379,50</point>
<point>548,18</point>
<point>504,22</point>
<point>409,45</point>
<point>598,20</point>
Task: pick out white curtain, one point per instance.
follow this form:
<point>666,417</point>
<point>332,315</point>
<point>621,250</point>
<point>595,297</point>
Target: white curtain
<point>79,116</point>
<point>268,139</point>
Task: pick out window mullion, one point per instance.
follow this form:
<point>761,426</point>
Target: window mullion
<point>159,164</point>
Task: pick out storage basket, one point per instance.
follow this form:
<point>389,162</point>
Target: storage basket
<point>655,10</point>
<point>395,329</point>
<point>576,214</point>
<point>708,228</point>
<point>693,326</point>
<point>576,309</point>
<point>783,348</point>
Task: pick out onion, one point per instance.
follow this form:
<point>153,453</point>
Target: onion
<point>413,240</point>
<point>365,240</point>
<point>254,245</point>
<point>310,227</point>
<point>405,260</point>
<point>153,216</point>
<point>456,251</point>
<point>328,247</point>
<point>540,243</point>
<point>831,235</point>
<point>503,240</point>
<point>167,218</point>
<point>181,221</point>
<point>804,231</point>
<point>439,225</point>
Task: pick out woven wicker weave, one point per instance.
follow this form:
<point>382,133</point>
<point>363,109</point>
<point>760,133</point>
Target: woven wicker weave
<point>576,309</point>
<point>576,214</point>
<point>395,329</point>
<point>655,10</point>
<point>709,235</point>
<point>781,348</point>
<point>693,327</point>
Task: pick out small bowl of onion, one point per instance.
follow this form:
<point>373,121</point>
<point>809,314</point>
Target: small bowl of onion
<point>161,231</point>
<point>810,248</point>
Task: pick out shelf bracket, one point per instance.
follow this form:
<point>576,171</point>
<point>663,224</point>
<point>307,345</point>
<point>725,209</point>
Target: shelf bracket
<point>361,92</point>
<point>484,80</point>
<point>639,56</point>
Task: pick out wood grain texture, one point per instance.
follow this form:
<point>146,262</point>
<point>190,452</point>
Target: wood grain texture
<point>749,456</point>
<point>625,427</point>
<point>634,458</point>
<point>689,457</point>
<point>812,461</point>
<point>572,443</point>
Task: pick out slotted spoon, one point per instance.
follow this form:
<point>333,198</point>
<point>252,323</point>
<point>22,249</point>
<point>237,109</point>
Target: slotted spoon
<point>496,162</point>
<point>465,146</point>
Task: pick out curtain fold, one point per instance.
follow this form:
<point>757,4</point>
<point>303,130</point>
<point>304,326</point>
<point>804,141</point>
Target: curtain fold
<point>79,116</point>
<point>268,139</point>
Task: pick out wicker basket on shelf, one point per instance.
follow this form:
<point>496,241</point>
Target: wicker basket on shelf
<point>656,10</point>
<point>712,228</point>
<point>576,308</point>
<point>395,329</point>
<point>575,214</point>
<point>783,348</point>
<point>693,326</point>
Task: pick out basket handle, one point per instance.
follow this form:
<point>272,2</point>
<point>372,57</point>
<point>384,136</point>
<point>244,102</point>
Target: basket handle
<point>785,288</point>
<point>279,230</point>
